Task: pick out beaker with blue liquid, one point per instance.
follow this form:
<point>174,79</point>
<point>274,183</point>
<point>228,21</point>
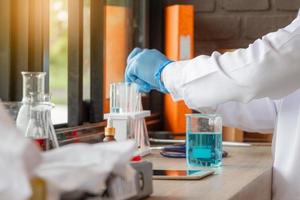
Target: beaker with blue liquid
<point>204,140</point>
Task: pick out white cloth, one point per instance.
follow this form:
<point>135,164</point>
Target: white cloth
<point>85,167</point>
<point>81,167</point>
<point>268,70</point>
<point>18,159</point>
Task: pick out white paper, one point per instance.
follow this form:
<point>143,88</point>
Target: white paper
<point>185,47</point>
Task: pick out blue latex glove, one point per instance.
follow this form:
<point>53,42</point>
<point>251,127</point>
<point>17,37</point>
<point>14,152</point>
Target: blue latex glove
<point>144,67</point>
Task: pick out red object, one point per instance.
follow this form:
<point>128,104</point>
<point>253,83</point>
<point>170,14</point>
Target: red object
<point>41,142</point>
<point>74,135</point>
<point>136,158</point>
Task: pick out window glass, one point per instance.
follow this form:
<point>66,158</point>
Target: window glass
<point>58,59</point>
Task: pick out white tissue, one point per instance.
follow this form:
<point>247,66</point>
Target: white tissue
<point>86,167</point>
<point>81,167</point>
<point>18,159</point>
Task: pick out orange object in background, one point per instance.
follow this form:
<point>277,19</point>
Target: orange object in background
<point>117,45</point>
<point>179,45</point>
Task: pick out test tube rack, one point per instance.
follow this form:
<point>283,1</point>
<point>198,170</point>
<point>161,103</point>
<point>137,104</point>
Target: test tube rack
<point>120,123</point>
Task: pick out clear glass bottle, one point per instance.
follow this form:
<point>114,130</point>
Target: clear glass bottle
<point>109,132</point>
<point>33,84</point>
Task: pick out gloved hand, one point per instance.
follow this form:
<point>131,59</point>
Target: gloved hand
<point>144,67</point>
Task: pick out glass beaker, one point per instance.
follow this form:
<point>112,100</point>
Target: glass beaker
<point>204,140</point>
<point>123,97</point>
<point>33,84</point>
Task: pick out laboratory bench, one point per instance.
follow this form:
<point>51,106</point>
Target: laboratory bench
<point>245,174</point>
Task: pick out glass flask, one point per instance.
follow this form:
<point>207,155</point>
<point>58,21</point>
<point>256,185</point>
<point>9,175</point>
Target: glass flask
<point>204,140</point>
<point>33,84</point>
<point>40,128</point>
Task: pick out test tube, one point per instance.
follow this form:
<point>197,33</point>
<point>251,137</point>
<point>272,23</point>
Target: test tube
<point>124,97</point>
<point>117,96</point>
<point>127,94</point>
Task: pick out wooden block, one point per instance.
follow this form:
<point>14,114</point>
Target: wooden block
<point>258,137</point>
<point>179,45</point>
<point>233,134</point>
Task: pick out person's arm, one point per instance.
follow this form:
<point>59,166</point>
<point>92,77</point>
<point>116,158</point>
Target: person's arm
<point>270,67</point>
<point>256,116</point>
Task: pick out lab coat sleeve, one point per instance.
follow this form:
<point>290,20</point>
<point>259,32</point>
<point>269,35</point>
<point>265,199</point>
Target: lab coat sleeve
<point>259,115</point>
<point>270,67</point>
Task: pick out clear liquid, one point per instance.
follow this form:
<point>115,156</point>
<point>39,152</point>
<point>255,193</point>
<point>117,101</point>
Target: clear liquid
<point>204,149</point>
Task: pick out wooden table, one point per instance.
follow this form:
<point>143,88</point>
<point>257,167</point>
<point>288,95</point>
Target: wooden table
<point>245,174</point>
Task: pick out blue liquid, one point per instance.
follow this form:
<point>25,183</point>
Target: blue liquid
<point>204,149</point>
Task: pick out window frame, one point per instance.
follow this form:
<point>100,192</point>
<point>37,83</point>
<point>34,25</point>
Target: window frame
<point>28,50</point>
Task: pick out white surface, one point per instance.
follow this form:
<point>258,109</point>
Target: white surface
<point>235,144</point>
<point>18,159</point>
<point>144,152</point>
<point>126,116</point>
<point>185,47</point>
<point>268,69</point>
<point>124,129</point>
<point>59,114</point>
<point>23,118</point>
<point>121,129</point>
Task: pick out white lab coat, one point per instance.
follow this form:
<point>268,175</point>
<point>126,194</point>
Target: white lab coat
<point>255,89</point>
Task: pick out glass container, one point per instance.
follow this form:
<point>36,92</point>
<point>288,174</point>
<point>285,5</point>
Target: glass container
<point>33,84</point>
<point>124,97</point>
<point>204,140</point>
<point>126,102</point>
<point>40,127</point>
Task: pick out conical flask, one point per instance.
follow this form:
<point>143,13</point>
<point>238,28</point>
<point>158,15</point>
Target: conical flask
<point>37,126</point>
<point>40,128</point>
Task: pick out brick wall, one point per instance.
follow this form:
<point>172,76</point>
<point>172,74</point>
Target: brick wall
<point>223,24</point>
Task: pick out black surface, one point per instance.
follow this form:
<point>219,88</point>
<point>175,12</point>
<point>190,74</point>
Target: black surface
<point>97,60</point>
<point>156,41</point>
<point>75,61</point>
